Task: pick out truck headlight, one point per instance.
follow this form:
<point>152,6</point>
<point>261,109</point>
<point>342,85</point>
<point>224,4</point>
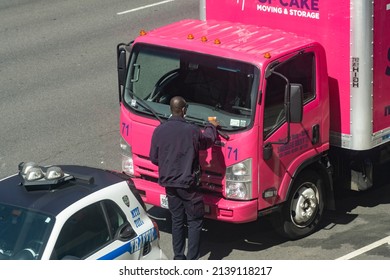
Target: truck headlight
<point>127,158</point>
<point>239,180</point>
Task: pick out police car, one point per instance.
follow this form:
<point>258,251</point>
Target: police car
<point>74,212</point>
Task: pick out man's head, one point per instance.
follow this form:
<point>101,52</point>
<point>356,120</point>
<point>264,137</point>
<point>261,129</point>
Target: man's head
<point>178,106</point>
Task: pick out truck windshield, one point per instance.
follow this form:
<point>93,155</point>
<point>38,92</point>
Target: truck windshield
<point>212,86</point>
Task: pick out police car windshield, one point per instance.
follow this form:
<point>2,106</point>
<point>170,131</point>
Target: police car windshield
<point>212,86</point>
<point>23,233</point>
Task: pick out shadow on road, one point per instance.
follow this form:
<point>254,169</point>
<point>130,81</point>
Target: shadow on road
<point>249,237</point>
<point>219,239</point>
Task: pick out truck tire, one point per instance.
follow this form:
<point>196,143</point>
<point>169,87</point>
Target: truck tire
<point>302,212</point>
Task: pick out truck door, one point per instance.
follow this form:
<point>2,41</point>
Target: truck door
<point>287,141</point>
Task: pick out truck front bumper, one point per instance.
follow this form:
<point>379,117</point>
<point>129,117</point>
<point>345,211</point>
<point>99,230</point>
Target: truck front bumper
<point>216,208</point>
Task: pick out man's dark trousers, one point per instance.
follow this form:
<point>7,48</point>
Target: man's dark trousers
<point>185,204</point>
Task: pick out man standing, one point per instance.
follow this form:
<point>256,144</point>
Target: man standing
<point>175,150</point>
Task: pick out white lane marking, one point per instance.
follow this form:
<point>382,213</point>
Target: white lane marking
<point>144,7</point>
<point>365,249</point>
<point>388,7</point>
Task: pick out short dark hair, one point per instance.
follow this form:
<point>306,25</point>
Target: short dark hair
<point>177,104</point>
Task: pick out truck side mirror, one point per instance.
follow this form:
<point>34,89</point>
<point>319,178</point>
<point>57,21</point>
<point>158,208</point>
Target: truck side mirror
<point>296,103</point>
<point>121,66</point>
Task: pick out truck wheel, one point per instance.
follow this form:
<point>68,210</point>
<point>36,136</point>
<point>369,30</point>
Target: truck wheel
<point>302,212</point>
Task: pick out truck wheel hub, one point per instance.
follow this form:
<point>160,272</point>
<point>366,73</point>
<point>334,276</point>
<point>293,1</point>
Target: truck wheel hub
<point>304,205</point>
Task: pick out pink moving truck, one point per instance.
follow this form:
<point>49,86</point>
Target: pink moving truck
<point>301,89</point>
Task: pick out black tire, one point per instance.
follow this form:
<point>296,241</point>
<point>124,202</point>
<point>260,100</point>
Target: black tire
<point>302,212</point>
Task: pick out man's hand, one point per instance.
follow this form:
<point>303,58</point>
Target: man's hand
<point>213,121</point>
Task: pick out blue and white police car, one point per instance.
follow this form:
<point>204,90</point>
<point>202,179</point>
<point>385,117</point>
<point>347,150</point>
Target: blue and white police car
<point>74,212</point>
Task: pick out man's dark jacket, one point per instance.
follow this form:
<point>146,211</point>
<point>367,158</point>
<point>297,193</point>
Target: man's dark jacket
<point>175,150</point>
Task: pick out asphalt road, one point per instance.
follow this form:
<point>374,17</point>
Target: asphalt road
<point>59,104</point>
<point>358,230</point>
